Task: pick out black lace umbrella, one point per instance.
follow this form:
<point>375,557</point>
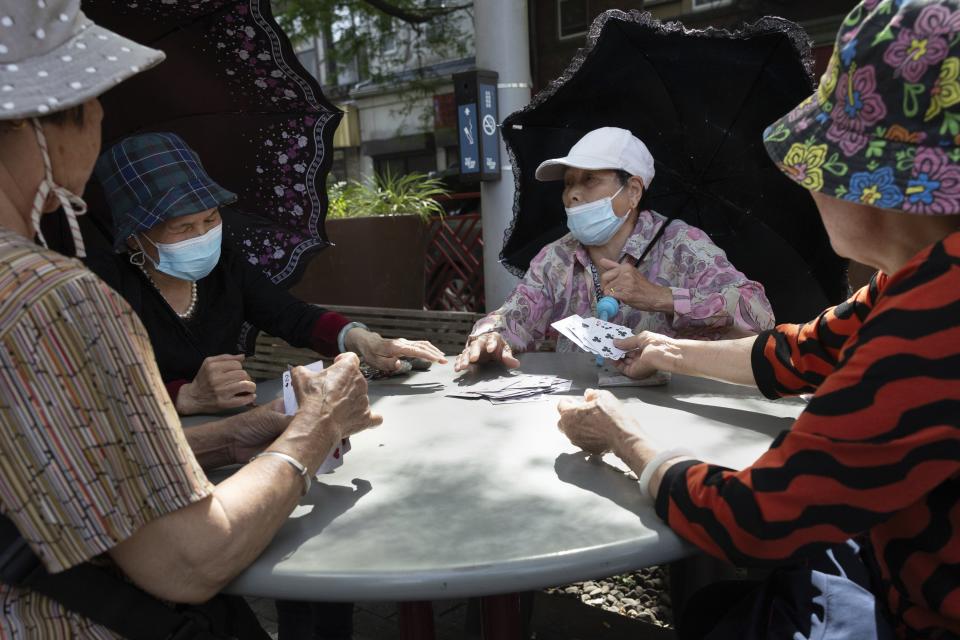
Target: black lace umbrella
<point>234,89</point>
<point>700,100</point>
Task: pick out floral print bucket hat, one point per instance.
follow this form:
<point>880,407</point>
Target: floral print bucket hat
<point>883,128</point>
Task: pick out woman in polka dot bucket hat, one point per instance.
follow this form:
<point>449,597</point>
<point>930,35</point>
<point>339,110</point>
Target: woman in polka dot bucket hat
<point>54,59</point>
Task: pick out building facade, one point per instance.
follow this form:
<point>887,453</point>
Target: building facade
<point>558,28</point>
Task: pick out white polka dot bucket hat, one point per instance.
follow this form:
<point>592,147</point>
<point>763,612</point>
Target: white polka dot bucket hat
<point>52,57</point>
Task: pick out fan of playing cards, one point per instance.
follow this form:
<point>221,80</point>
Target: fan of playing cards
<point>290,405</point>
<point>594,335</point>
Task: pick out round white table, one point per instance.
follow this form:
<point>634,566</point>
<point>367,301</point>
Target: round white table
<point>453,498</point>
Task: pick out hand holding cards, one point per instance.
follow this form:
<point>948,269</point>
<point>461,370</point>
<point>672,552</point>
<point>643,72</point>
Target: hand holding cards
<point>290,405</point>
<point>594,335</point>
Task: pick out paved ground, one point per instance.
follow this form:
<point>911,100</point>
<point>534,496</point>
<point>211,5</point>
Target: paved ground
<point>555,617</point>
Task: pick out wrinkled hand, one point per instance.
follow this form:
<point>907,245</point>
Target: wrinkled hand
<point>254,430</point>
<point>598,424</point>
<point>624,282</point>
<point>487,347</point>
<point>647,353</point>
<point>385,354</point>
<point>336,397</point>
<point>220,384</point>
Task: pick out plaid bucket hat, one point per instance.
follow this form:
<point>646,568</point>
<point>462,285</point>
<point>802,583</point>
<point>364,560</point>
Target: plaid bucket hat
<point>153,177</point>
<point>883,128</point>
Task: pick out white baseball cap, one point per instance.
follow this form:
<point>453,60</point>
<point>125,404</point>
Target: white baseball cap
<point>604,148</point>
<point>53,57</point>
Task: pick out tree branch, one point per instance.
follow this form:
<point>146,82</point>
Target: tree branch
<point>415,16</point>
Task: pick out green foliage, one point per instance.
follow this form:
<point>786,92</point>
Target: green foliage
<point>380,39</point>
<point>387,195</point>
<point>383,36</point>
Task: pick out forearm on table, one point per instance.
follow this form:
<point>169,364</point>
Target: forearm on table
<point>723,360</point>
<point>212,443</point>
<point>189,555</point>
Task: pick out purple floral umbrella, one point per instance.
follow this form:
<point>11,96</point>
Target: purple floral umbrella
<point>234,89</point>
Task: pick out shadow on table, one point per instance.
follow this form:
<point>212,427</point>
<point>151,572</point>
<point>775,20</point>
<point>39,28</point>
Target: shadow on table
<point>740,418</point>
<point>592,474</point>
<point>335,500</point>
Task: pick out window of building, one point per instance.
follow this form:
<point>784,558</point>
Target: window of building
<point>402,164</point>
<point>338,168</point>
<point>308,58</point>
<point>573,19</point>
<point>703,5</point>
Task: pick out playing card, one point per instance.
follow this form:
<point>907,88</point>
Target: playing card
<point>335,458</point>
<point>601,336</point>
<point>516,387</point>
<point>572,328</point>
<point>612,379</point>
<point>593,335</point>
<point>290,404</point>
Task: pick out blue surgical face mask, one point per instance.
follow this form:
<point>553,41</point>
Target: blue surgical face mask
<point>595,223</point>
<point>191,259</point>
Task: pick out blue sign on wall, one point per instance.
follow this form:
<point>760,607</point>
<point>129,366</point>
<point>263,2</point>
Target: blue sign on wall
<point>469,138</point>
<point>488,128</point>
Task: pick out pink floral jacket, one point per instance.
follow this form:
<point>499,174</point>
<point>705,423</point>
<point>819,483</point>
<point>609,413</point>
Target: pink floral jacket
<point>710,297</point>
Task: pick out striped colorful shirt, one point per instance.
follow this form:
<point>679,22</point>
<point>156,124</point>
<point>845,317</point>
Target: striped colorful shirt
<point>91,448</point>
<point>710,297</point>
<point>874,456</point>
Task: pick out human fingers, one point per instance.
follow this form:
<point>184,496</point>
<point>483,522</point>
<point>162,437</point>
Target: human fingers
<point>375,419</point>
<point>611,276</point>
<point>633,343</point>
<point>226,357</point>
<point>347,358</point>
<point>438,355</point>
<point>222,378</point>
<point>237,388</point>
<point>463,360</point>
<point>507,357</point>
<point>408,349</point>
<point>383,363</point>
<point>607,264</point>
<point>476,348</point>
<point>235,401</point>
<point>568,404</point>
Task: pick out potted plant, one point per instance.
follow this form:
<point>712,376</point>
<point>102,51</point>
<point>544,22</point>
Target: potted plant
<point>379,229</point>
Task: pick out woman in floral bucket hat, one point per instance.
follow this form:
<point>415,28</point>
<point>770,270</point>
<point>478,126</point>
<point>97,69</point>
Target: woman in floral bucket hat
<point>100,488</point>
<point>856,505</point>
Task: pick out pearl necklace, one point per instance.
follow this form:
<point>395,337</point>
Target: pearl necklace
<point>186,315</point>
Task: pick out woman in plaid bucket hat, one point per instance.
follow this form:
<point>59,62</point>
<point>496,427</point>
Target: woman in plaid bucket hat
<point>857,505</point>
<point>94,464</point>
<point>193,292</point>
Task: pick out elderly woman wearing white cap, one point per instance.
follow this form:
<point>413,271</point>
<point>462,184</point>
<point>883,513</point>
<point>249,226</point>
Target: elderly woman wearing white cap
<point>94,465</point>
<point>669,276</point>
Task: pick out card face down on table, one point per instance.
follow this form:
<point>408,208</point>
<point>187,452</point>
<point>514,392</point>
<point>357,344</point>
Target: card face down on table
<point>514,387</point>
<point>290,405</point>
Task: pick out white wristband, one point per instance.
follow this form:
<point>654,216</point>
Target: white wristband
<point>342,336</point>
<point>646,476</point>
<point>293,462</point>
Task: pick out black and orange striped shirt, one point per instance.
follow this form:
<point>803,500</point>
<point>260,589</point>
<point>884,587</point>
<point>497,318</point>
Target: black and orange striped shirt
<point>875,455</point>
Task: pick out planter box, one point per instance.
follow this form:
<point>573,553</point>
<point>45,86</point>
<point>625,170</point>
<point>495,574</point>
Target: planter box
<point>376,262</point>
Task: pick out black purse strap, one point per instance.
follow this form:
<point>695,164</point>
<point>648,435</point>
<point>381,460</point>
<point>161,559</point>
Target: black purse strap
<point>106,599</point>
